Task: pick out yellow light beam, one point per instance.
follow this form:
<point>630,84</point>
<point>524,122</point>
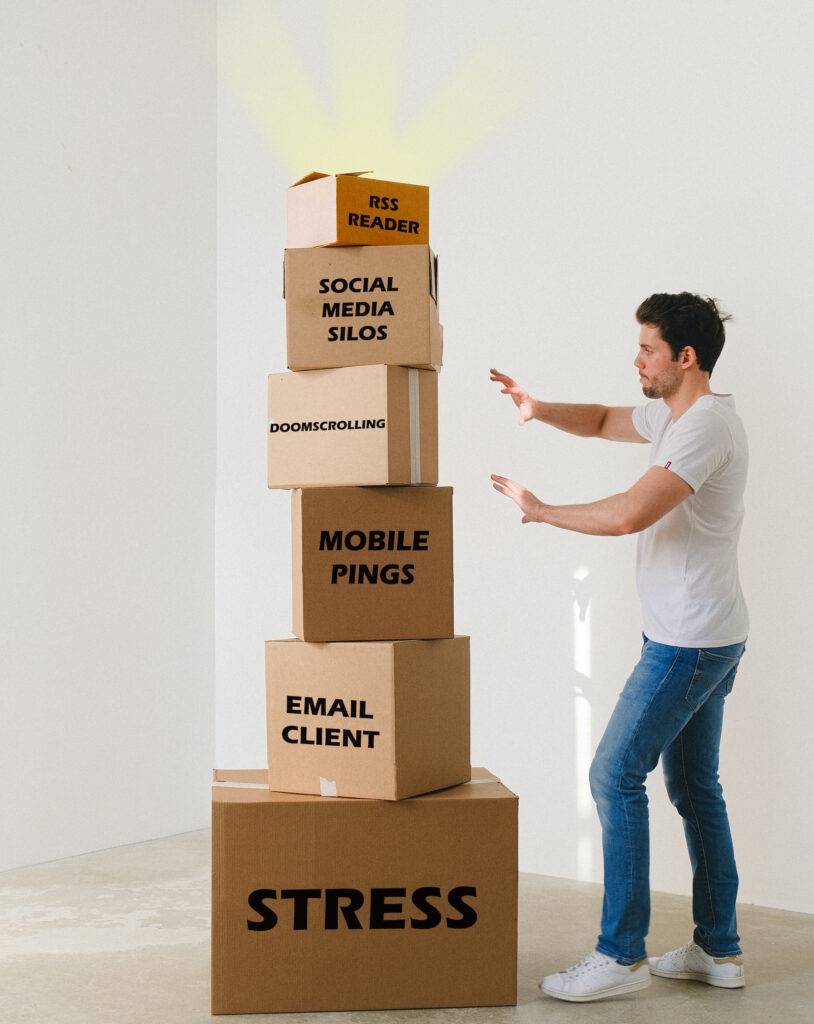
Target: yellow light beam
<point>258,58</point>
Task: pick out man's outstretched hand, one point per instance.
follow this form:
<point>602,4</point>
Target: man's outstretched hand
<point>529,505</point>
<point>521,398</point>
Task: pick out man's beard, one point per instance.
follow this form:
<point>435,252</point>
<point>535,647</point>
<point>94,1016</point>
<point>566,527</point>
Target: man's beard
<point>666,384</point>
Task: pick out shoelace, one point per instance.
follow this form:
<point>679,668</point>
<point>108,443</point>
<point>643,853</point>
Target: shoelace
<point>684,951</point>
<point>591,962</point>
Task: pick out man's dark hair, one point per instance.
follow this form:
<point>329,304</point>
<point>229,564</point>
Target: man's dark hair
<point>687,319</point>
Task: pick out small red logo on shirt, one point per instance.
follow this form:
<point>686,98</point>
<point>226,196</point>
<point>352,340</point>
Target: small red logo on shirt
<point>668,463</point>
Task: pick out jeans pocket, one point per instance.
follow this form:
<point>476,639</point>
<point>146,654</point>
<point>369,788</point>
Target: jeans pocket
<point>712,669</point>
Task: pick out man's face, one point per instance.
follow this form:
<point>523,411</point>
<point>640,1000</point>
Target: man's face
<point>660,375</point>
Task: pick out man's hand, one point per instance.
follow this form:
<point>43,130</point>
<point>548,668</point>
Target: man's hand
<point>651,497</point>
<point>521,398</point>
<point>529,505</point>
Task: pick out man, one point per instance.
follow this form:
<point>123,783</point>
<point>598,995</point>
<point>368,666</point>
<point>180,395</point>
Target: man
<point>687,510</point>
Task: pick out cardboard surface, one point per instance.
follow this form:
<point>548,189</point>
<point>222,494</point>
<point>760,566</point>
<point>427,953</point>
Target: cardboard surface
<point>357,305</point>
<point>346,209</point>
<point>334,904</point>
<point>356,425</point>
<point>383,720</point>
<point>372,563</point>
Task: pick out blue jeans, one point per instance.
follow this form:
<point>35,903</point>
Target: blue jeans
<point>672,707</point>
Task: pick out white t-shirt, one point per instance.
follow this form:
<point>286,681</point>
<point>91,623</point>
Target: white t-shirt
<point>687,562</point>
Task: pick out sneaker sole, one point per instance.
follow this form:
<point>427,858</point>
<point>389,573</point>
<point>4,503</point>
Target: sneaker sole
<point>614,990</point>
<point>707,979</point>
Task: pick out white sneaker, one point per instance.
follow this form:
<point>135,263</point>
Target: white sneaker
<point>692,963</point>
<point>596,977</point>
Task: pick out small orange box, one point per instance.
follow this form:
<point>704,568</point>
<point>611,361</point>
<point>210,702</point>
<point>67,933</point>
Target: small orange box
<point>347,209</point>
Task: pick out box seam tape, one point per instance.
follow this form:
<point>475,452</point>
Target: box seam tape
<point>415,427</point>
<point>327,787</point>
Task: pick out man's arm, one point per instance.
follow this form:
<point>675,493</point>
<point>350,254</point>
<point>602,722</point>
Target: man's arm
<point>613,423</point>
<point>651,497</point>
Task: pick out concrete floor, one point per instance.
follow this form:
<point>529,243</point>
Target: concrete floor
<point>122,936</point>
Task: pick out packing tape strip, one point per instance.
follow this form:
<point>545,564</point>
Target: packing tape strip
<point>475,782</point>
<point>415,427</point>
<point>327,787</point>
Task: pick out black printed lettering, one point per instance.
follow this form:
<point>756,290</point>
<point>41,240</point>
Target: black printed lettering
<point>338,285</point>
<point>330,541</point>
<point>318,736</point>
<point>314,707</point>
<point>355,900</point>
<point>368,573</point>
<point>456,900</point>
<point>300,898</point>
<point>391,574</point>
<point>432,915</point>
<point>380,909</point>
<point>257,903</point>
<point>355,540</point>
<point>397,540</point>
<point>386,908</point>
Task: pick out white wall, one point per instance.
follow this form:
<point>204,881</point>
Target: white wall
<point>107,401</point>
<point>581,156</point>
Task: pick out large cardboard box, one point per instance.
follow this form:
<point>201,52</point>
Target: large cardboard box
<point>347,209</point>
<point>383,720</point>
<point>322,904</point>
<point>356,305</point>
<point>372,563</point>
<point>355,425</point>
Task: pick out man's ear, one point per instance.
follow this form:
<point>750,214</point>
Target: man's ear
<point>688,357</point>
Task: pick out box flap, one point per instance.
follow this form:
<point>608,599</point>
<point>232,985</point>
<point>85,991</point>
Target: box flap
<point>240,776</point>
<point>251,786</point>
<point>310,177</point>
<point>323,174</point>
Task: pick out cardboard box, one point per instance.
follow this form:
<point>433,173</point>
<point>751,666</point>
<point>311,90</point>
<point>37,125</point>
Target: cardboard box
<point>372,563</point>
<point>383,720</point>
<point>357,305</point>
<point>347,209</point>
<point>321,904</point>
<point>355,425</point>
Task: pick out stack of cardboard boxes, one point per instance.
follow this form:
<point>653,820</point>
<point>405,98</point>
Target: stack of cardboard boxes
<point>370,868</point>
